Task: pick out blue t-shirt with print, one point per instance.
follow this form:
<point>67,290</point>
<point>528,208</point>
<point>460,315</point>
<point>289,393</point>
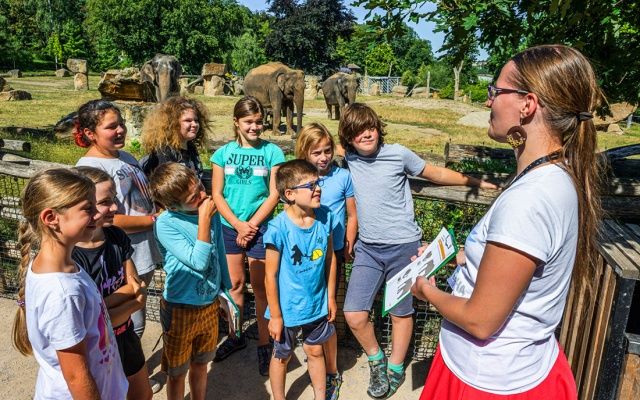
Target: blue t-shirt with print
<point>302,282</point>
<point>247,172</point>
<point>336,188</point>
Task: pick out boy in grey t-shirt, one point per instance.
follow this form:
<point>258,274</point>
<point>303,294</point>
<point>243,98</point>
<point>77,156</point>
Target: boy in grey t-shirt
<point>389,235</point>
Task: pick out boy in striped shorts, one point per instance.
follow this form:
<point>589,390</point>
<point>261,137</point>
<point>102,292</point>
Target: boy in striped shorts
<point>189,236</point>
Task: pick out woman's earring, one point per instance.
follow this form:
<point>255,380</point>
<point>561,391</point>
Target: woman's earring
<point>522,135</point>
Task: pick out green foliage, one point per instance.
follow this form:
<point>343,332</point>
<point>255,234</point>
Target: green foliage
<point>409,78</point>
<point>447,91</point>
<point>605,31</point>
<point>247,53</point>
<point>478,91</point>
<point>194,31</point>
<point>54,48</point>
<point>418,54</point>
<point>355,50</point>
<point>378,60</point>
<point>74,43</point>
<point>441,74</point>
<point>304,35</point>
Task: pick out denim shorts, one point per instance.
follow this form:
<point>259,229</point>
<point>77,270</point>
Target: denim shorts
<point>313,334</point>
<point>373,266</point>
<point>255,248</point>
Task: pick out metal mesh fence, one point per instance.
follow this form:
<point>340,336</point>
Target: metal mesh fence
<point>10,215</point>
<point>385,83</point>
<point>431,214</point>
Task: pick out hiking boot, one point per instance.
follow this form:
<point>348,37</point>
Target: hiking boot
<point>395,381</point>
<point>378,380</point>
<point>333,386</point>
<point>228,347</point>
<point>264,359</point>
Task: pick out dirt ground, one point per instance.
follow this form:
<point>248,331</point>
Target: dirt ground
<point>236,378</point>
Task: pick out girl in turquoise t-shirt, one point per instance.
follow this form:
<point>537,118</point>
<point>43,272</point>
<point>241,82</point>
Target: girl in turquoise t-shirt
<point>244,191</point>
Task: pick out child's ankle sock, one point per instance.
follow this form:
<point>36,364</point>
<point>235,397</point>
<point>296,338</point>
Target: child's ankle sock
<point>397,368</point>
<point>376,357</point>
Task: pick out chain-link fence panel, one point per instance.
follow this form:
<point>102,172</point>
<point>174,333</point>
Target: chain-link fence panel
<point>10,216</point>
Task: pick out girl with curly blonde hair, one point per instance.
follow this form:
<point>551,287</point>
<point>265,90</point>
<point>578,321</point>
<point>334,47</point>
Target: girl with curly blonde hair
<point>173,132</point>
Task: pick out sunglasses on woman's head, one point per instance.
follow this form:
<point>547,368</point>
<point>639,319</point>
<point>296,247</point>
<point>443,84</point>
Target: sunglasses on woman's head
<point>311,185</point>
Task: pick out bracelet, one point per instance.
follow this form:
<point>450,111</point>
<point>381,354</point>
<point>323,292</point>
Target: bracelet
<point>153,218</point>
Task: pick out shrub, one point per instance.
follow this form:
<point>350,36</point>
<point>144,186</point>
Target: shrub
<point>409,79</point>
<point>447,92</point>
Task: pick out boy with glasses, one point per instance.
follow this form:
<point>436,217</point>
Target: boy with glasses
<point>299,263</point>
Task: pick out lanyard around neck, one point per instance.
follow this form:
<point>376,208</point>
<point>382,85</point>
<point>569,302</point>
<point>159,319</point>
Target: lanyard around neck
<point>539,161</point>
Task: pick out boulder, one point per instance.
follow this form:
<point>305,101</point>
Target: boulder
<point>620,112</point>
<point>478,119</point>
<point>81,82</point>
<point>15,95</point>
<point>133,114</point>
<point>374,89</point>
<point>128,89</point>
<point>66,126</point>
<point>311,87</point>
<point>213,85</point>
<point>399,91</point>
<point>61,73</point>
<point>77,66</point>
<point>614,128</point>
<point>15,73</point>
<point>214,69</point>
<point>4,85</point>
<point>238,88</point>
<point>198,90</point>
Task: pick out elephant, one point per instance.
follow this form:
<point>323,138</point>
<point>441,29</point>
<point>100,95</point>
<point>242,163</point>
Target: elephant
<point>338,89</point>
<point>278,87</point>
<point>163,72</point>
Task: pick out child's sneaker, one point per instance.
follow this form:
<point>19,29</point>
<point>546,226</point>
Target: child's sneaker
<point>264,359</point>
<point>378,380</point>
<point>395,381</point>
<point>228,347</point>
<point>333,386</point>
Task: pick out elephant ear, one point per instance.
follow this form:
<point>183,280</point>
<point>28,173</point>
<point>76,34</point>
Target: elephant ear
<point>146,72</point>
<point>280,79</point>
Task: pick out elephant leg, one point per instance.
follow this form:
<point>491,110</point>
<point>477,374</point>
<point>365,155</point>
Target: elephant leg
<point>338,109</point>
<point>277,115</point>
<point>329,111</point>
<point>290,130</point>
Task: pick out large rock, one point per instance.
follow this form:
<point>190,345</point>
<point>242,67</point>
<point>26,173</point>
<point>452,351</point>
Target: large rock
<point>62,72</point>
<point>128,89</point>
<point>15,73</point>
<point>238,87</point>
<point>15,95</point>
<point>198,90</point>
<point>81,82</point>
<point>311,87</point>
<point>421,92</point>
<point>213,85</point>
<point>614,128</point>
<point>133,114</point>
<point>374,89</point>
<point>214,69</point>
<point>77,66</point>
<point>478,119</point>
<point>4,85</point>
<point>620,112</point>
<point>399,91</point>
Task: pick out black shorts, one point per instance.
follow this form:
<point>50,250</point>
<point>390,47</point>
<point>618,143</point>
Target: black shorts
<point>130,348</point>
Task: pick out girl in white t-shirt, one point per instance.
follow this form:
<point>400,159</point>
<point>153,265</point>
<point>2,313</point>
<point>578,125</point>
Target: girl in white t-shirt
<point>510,288</point>
<point>62,319</point>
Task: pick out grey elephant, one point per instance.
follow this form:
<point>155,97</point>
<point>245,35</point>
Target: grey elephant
<point>163,72</point>
<point>339,89</point>
<point>280,88</point>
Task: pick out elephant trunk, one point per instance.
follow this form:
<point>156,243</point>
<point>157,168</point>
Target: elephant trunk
<point>353,90</point>
<point>163,85</point>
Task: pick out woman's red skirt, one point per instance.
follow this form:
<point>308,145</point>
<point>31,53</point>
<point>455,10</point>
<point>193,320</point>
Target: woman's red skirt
<point>442,384</point>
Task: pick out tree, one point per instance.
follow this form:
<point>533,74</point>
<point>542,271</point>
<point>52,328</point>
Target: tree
<point>304,35</point>
<point>355,49</point>
<point>380,60</point>
<point>247,53</point>
<point>54,48</point>
<point>194,31</point>
<point>418,54</point>
<point>605,31</point>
